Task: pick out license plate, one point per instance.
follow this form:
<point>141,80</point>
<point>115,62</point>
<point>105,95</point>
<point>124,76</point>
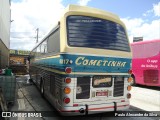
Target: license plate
<point>101,93</point>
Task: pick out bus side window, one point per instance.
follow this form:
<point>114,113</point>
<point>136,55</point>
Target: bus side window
<point>37,51</point>
<point>44,47</point>
<point>53,44</point>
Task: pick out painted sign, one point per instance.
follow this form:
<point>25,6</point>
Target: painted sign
<point>94,62</point>
<point>19,52</point>
<point>86,63</point>
<point>150,63</point>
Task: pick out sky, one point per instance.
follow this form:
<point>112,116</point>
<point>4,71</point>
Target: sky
<point>141,17</point>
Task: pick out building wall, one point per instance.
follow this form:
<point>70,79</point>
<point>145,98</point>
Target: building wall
<point>4,55</point>
<point>16,60</point>
<point>5,17</point>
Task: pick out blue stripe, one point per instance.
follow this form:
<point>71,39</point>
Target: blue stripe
<point>86,63</point>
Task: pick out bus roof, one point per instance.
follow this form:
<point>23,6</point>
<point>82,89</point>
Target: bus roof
<point>86,9</point>
<point>145,42</point>
<point>145,49</point>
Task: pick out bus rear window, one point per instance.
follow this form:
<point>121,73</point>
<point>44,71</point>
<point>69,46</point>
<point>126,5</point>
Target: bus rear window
<point>91,32</point>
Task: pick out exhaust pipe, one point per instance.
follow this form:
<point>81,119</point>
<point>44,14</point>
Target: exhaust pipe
<point>81,110</point>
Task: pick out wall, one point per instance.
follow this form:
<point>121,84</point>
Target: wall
<point>5,17</point>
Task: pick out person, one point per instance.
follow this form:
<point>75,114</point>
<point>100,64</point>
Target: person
<point>27,64</point>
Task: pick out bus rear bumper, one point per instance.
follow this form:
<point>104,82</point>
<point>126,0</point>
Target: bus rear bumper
<point>93,109</point>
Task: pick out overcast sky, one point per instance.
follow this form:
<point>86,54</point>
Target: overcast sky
<point>141,17</point>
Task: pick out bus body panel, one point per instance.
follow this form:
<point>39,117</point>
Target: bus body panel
<point>145,62</point>
<point>52,71</point>
<point>85,63</point>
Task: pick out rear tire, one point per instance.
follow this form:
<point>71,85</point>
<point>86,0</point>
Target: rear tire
<point>133,83</point>
<point>42,88</point>
<point>31,81</point>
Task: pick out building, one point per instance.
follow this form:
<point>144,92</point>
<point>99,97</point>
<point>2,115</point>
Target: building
<point>137,39</point>
<point>18,57</point>
<point>5,18</point>
<point>19,61</point>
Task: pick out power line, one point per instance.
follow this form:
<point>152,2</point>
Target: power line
<point>22,32</point>
<point>26,37</point>
<point>23,37</point>
<point>37,35</point>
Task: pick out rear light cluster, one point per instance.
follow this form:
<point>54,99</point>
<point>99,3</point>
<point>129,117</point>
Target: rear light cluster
<point>130,79</point>
<point>68,70</point>
<point>128,95</point>
<point>66,100</point>
<point>67,90</point>
<point>129,88</point>
<point>67,80</point>
<point>130,71</point>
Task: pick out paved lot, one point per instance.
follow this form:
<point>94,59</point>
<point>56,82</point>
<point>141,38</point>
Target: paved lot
<point>146,98</point>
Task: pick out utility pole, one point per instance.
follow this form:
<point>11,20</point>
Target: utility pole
<point>37,31</point>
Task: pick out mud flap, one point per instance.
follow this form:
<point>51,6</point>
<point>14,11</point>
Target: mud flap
<point>115,106</point>
<point>86,111</point>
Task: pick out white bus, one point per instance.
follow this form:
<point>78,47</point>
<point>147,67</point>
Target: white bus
<point>83,65</point>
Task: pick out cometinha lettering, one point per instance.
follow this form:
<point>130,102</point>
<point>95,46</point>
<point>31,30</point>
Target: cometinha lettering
<point>86,62</point>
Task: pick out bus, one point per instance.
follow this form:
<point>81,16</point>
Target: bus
<point>83,65</point>
<point>145,63</point>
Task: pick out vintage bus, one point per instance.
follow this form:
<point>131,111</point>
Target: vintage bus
<point>83,65</point>
<point>145,63</point>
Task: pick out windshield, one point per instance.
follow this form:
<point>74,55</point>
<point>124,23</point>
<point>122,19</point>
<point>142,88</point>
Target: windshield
<point>91,32</point>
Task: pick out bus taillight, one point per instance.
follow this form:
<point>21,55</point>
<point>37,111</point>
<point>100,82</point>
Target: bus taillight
<point>128,95</point>
<point>130,71</point>
<point>67,80</point>
<point>75,105</point>
<point>129,88</point>
<point>122,100</point>
<point>68,70</point>
<point>67,90</point>
<point>66,100</point>
<point>130,79</point>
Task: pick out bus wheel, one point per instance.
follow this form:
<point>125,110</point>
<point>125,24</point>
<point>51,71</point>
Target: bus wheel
<point>133,83</point>
<point>30,81</point>
<point>42,88</point>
